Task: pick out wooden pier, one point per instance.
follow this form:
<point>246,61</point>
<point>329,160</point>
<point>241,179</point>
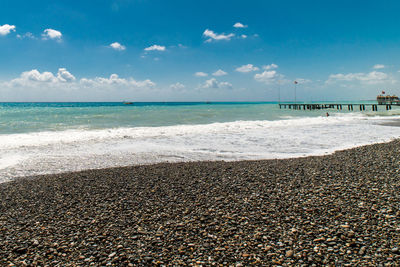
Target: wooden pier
<point>350,107</point>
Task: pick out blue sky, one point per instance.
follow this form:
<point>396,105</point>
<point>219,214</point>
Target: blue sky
<point>144,50</point>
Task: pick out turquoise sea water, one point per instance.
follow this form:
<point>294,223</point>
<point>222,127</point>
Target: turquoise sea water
<point>36,117</point>
<point>38,138</point>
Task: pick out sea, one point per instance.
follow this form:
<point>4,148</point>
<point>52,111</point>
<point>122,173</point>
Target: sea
<point>44,138</point>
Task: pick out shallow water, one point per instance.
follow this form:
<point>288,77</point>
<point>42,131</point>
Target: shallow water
<point>38,138</point>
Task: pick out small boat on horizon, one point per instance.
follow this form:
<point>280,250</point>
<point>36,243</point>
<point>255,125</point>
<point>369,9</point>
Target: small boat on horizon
<point>128,103</point>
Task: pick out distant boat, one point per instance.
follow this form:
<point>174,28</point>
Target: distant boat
<point>128,103</point>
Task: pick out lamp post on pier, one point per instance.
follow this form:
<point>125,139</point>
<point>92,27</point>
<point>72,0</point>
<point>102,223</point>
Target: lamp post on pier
<point>279,92</point>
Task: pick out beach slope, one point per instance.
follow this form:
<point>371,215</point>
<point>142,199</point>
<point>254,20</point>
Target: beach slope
<point>337,209</point>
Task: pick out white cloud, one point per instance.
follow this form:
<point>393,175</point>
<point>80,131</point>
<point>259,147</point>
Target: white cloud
<point>34,85</point>
<point>213,83</point>
<point>239,25</point>
<point>51,34</point>
<point>28,35</point>
<point>115,80</point>
<point>270,67</point>
<point>379,66</point>
<point>65,76</point>
<point>219,73</point>
<point>244,36</point>
<point>200,74</point>
<point>247,68</point>
<point>374,77</point>
<point>117,46</point>
<point>34,77</point>
<point>6,29</point>
<point>177,86</point>
<point>266,76</point>
<point>155,48</point>
<point>217,37</point>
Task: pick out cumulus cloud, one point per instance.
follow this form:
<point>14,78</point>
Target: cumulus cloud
<point>378,66</point>
<point>244,36</point>
<point>115,80</point>
<point>200,74</point>
<point>217,37</point>
<point>270,67</point>
<point>117,46</point>
<point>35,78</point>
<point>6,29</point>
<point>220,73</point>
<point>247,68</point>
<point>373,77</point>
<point>51,34</point>
<point>34,85</point>
<point>65,76</point>
<point>239,25</point>
<point>155,48</point>
<point>267,76</point>
<point>177,86</point>
<point>213,83</point>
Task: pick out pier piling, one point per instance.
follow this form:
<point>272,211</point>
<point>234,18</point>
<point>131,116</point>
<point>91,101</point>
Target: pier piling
<point>350,107</point>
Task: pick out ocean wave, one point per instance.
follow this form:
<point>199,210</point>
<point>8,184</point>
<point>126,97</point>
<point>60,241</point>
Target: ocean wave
<point>71,150</point>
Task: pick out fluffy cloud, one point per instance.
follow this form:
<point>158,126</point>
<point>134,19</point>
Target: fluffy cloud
<point>65,76</point>
<point>219,73</point>
<point>6,29</point>
<point>34,77</point>
<point>244,36</point>
<point>51,34</point>
<point>34,85</point>
<point>177,86</point>
<point>117,46</point>
<point>267,76</point>
<point>374,77</point>
<point>379,66</point>
<point>270,67</point>
<point>213,83</point>
<point>239,25</point>
<point>217,37</point>
<point>155,48</point>
<point>247,68</point>
<point>115,80</point>
<point>200,74</point>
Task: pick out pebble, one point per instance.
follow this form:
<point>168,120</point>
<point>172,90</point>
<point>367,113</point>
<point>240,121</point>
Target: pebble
<point>340,209</point>
<point>289,253</point>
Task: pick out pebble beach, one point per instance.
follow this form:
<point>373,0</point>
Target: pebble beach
<point>336,210</point>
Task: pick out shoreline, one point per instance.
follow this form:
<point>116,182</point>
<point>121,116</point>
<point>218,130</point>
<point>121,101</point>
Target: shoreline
<point>340,208</point>
<point>52,152</point>
<point>325,153</point>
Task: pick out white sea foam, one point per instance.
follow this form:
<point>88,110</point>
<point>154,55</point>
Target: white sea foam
<point>52,152</point>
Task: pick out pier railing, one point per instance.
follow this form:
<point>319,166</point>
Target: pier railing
<point>350,107</point>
